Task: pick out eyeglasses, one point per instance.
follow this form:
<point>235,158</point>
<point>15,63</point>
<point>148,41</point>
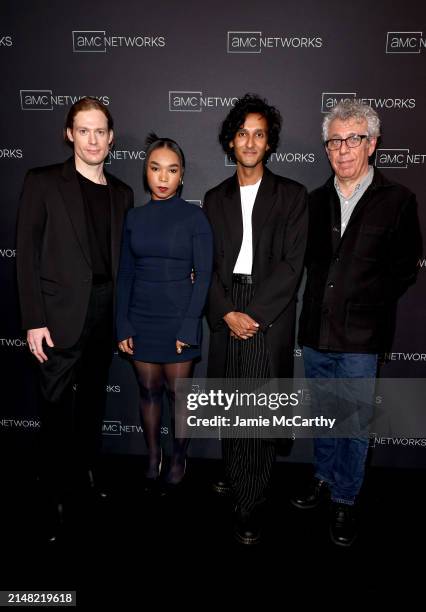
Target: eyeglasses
<point>351,141</point>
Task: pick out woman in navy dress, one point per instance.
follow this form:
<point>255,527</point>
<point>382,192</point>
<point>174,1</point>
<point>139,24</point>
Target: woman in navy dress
<point>163,280</point>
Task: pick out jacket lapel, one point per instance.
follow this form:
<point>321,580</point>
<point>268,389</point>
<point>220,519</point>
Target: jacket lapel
<point>336,220</point>
<point>363,202</point>
<point>71,193</point>
<point>233,217</point>
<point>378,179</point>
<point>117,214</point>
<point>265,200</point>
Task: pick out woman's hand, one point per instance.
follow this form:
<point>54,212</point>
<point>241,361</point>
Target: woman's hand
<point>180,346</point>
<point>126,346</point>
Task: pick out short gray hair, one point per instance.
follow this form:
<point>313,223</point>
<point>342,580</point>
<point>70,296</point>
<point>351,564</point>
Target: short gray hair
<point>353,109</point>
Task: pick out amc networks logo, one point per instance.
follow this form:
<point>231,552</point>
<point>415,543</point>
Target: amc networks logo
<point>376,440</point>
<point>117,428</point>
<point>253,42</point>
<point>195,101</point>
<point>330,99</point>
<point>36,99</point>
<point>125,155</point>
<point>111,428</point>
<point>45,99</point>
<point>97,41</point>
<point>88,41</point>
<point>398,158</point>
<point>244,42</point>
<point>405,42</point>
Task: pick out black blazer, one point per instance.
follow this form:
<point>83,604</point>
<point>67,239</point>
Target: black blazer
<point>279,224</point>
<point>354,281</point>
<point>53,253</point>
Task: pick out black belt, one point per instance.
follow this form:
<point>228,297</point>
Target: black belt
<point>242,279</point>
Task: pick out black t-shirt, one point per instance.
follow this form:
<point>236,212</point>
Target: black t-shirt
<point>98,215</point>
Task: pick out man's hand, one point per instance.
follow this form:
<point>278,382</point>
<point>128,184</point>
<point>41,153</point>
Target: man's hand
<point>126,346</point>
<point>241,324</point>
<point>35,339</point>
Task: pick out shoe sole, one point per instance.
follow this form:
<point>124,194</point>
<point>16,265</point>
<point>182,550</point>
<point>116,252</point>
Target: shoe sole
<point>247,541</point>
<point>306,506</point>
<point>224,491</point>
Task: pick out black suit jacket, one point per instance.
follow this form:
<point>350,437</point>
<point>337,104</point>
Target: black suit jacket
<point>354,281</point>
<point>279,225</point>
<point>53,253</point>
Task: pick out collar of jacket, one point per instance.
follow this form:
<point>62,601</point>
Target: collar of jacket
<point>69,171</point>
<point>265,201</point>
<point>267,185</point>
<point>379,180</point>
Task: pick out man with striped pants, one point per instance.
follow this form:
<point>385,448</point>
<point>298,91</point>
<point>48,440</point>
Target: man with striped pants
<point>259,222</point>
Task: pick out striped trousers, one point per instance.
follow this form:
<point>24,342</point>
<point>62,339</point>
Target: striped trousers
<point>248,461</point>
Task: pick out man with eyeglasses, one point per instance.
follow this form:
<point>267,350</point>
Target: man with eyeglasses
<point>364,242</point>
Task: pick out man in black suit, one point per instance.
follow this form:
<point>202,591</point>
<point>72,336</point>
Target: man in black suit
<point>68,242</point>
<point>363,246</point>
<point>259,222</point>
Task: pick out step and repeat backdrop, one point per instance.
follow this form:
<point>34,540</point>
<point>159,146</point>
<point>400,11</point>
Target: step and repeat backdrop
<point>176,68</point>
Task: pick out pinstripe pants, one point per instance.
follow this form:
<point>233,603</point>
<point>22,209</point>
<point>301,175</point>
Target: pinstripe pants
<point>248,461</point>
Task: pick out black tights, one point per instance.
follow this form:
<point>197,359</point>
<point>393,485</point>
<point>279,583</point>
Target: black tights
<point>152,378</point>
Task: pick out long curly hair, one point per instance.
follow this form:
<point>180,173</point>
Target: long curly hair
<point>251,103</point>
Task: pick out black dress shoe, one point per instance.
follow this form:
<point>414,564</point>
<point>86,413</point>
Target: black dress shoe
<point>247,528</point>
<point>343,524</point>
<point>221,487</point>
<point>315,494</point>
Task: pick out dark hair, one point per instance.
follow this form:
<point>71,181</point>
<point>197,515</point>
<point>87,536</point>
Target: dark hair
<point>154,142</point>
<point>251,103</point>
<point>84,104</point>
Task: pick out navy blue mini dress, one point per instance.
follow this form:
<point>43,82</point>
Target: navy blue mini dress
<point>157,302</point>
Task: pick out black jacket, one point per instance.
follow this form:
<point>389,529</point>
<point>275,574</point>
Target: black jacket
<point>53,252</point>
<point>279,223</point>
<point>354,281</point>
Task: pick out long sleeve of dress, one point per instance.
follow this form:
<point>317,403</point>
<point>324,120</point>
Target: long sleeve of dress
<point>202,251</point>
<point>126,275</point>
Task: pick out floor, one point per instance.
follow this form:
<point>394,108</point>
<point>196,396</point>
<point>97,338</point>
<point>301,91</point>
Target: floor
<point>115,552</point>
